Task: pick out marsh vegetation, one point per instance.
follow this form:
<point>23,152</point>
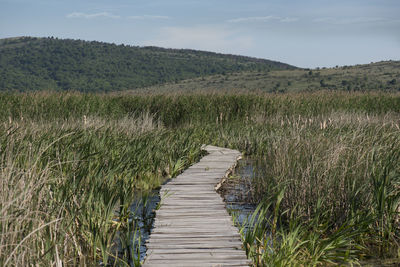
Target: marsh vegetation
<point>72,164</point>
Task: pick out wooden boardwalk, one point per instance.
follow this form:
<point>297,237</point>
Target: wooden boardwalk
<point>192,227</point>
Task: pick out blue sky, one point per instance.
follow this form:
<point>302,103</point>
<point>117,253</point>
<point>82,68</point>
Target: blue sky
<point>305,33</point>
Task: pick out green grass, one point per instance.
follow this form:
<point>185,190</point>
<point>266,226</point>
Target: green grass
<point>380,76</point>
<point>71,165</point>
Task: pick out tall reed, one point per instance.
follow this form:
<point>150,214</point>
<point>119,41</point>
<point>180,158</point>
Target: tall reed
<point>335,180</point>
<point>71,165</point>
<point>67,188</point>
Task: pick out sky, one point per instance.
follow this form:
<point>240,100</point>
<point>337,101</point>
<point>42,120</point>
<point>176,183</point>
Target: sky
<point>304,33</point>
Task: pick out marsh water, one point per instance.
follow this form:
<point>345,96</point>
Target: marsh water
<point>144,210</point>
<point>143,213</point>
<point>237,191</point>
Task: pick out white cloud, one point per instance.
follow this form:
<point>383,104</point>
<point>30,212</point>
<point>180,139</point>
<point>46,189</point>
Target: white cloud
<point>148,17</point>
<point>355,20</point>
<point>289,19</point>
<point>204,37</point>
<point>92,16</point>
<point>265,18</point>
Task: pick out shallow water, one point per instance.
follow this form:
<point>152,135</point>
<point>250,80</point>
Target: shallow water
<point>143,213</point>
<point>237,191</point>
<point>144,210</point>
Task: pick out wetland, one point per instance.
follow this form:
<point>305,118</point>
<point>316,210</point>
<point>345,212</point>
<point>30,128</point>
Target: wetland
<point>326,193</point>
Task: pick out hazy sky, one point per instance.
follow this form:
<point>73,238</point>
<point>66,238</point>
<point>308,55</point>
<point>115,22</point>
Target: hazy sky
<point>305,33</point>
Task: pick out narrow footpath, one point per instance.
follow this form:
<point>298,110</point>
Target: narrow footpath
<point>192,228</point>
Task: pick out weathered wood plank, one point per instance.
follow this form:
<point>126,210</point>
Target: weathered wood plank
<point>185,230</point>
<point>228,239</point>
<point>194,264</point>
<point>204,261</point>
<point>197,256</point>
<point>194,220</point>
<point>191,235</point>
<point>198,251</point>
<point>193,246</point>
<point>192,227</point>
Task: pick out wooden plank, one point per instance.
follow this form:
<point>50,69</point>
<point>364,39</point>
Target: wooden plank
<point>193,264</point>
<point>206,262</point>
<point>190,202</point>
<point>197,256</point>
<point>191,235</point>
<point>185,240</point>
<point>187,208</point>
<point>190,221</point>
<point>192,227</point>
<point>202,246</point>
<point>186,230</point>
<point>193,220</point>
<point>190,250</point>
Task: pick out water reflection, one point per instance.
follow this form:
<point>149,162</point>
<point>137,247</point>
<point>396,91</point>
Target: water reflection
<point>130,245</point>
<point>237,191</point>
<point>144,212</point>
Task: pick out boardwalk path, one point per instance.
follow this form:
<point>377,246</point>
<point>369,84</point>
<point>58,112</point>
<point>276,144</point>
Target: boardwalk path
<point>192,227</point>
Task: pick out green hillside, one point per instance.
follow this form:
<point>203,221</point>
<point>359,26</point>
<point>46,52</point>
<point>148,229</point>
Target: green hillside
<point>380,76</point>
<point>52,64</point>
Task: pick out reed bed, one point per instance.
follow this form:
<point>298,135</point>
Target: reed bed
<point>72,164</point>
<point>329,190</point>
<point>67,187</point>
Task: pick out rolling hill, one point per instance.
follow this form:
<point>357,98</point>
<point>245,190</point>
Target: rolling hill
<point>379,76</point>
<point>28,64</point>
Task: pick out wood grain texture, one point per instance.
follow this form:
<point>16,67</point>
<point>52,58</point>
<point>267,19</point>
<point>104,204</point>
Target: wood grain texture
<point>192,227</point>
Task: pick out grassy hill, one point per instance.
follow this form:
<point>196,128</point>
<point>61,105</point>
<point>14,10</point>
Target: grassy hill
<point>381,76</point>
<point>52,64</point>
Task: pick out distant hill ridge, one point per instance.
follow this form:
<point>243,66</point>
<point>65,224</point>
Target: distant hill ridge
<point>28,63</point>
